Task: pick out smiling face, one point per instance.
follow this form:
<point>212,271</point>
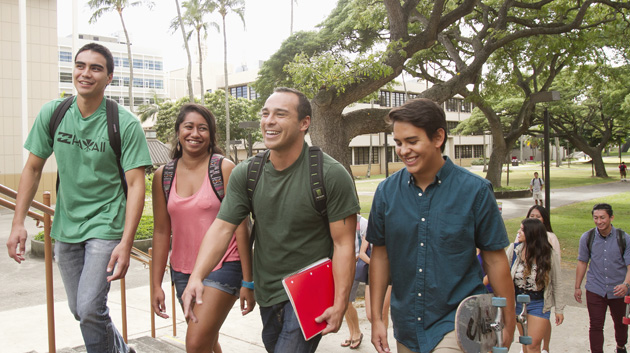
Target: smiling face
<point>194,134</point>
<point>536,214</point>
<point>90,74</point>
<point>279,122</point>
<point>603,221</point>
<point>420,154</point>
<point>521,235</point>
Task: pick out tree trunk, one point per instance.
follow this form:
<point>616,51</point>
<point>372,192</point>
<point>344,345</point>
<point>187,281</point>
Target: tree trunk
<point>495,164</point>
<point>598,161</point>
<point>328,131</point>
<point>130,59</point>
<point>188,74</point>
<point>203,93</point>
<point>227,93</point>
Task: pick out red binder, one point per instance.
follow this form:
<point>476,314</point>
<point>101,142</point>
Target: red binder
<point>311,291</point>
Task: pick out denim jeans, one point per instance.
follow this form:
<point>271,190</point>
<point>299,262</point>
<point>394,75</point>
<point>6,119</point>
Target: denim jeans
<point>83,269</point>
<point>281,331</point>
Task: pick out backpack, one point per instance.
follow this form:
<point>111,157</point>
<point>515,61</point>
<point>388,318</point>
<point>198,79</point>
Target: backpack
<point>539,181</point>
<point>113,131</point>
<point>214,173</point>
<point>621,241</point>
<point>316,172</point>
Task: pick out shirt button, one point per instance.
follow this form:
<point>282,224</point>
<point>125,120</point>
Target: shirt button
<point>422,219</point>
<point>420,270</point>
<point>419,194</point>
<point>419,294</point>
<point>421,244</point>
<point>419,319</point>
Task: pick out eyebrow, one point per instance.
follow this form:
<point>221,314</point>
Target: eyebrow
<point>91,65</point>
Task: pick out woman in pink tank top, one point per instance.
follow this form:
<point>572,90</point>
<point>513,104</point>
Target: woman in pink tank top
<point>186,209</point>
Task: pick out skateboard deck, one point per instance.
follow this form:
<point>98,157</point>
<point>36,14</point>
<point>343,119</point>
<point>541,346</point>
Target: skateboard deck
<point>478,323</point>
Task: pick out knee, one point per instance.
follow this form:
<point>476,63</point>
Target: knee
<point>200,343</point>
<point>89,311</point>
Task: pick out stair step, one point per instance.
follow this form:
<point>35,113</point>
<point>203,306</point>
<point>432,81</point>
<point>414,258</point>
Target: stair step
<point>141,345</point>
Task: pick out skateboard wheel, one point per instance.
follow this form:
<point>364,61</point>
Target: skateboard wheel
<point>525,340</point>
<point>523,298</point>
<point>499,350</point>
<point>499,302</point>
<point>626,299</point>
<point>626,321</point>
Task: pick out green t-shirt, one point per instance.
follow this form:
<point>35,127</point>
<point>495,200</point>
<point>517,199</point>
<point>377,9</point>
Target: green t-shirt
<point>290,235</point>
<point>90,201</point>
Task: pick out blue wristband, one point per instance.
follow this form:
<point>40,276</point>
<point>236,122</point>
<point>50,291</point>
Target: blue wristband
<point>248,285</point>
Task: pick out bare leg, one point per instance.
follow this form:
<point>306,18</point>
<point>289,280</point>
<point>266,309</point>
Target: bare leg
<point>352,319</point>
<point>203,335</point>
<point>536,329</point>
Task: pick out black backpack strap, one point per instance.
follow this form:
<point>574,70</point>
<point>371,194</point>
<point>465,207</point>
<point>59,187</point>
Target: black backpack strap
<point>216,176</point>
<point>254,170</point>
<point>55,120</point>
<point>621,241</point>
<point>168,174</point>
<point>318,189</point>
<point>589,240</point>
<point>113,130</point>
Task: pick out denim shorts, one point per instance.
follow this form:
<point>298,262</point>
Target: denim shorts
<point>227,279</point>
<point>535,308</point>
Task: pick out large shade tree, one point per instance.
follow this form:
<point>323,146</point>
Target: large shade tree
<point>101,7</point>
<point>363,45</point>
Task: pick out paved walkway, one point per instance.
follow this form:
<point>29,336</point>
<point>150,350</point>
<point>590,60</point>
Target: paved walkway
<point>23,310</point>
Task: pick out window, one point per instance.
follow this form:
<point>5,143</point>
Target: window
<point>391,152</point>
<point>126,81</point>
<point>65,77</point>
<point>116,81</point>
<point>398,99</point>
<point>361,155</point>
<point>65,56</point>
<point>478,151</point>
<point>159,84</point>
<point>117,62</point>
<point>466,107</point>
<point>253,94</point>
<point>450,125</point>
<point>239,91</point>
<point>138,82</point>
<point>463,151</point>
<point>452,104</point>
<point>158,66</point>
<point>137,101</point>
<point>384,99</point>
<point>125,62</point>
<point>137,64</point>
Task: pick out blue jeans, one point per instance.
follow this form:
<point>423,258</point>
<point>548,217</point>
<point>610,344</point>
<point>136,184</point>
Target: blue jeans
<point>83,269</point>
<point>281,331</point>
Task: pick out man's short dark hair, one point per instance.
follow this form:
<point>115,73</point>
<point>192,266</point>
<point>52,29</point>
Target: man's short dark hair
<point>95,47</point>
<point>304,105</point>
<point>603,206</point>
<point>422,113</point>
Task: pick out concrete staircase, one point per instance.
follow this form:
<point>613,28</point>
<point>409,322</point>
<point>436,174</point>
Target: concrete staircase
<point>141,345</point>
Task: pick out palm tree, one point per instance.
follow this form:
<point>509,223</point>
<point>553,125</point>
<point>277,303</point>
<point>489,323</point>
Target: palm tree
<point>103,6</point>
<point>292,1</point>
<point>188,75</point>
<point>193,17</point>
<point>148,110</point>
<point>237,7</point>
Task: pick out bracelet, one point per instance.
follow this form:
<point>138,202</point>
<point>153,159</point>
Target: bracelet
<point>627,285</point>
<point>248,285</point>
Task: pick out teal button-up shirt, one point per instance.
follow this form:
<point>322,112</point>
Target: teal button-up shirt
<point>431,238</point>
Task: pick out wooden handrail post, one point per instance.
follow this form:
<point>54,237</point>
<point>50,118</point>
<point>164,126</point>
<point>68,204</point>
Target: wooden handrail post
<point>123,304</point>
<point>151,292</point>
<point>173,308</point>
<point>48,257</point>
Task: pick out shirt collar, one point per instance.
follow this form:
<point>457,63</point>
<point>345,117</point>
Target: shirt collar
<point>442,174</point>
<point>612,231</point>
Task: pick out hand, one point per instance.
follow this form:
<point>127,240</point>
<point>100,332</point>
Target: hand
<point>158,303</point>
<point>620,290</point>
<point>333,317</point>
<point>118,262</point>
<point>578,295</point>
<point>192,296</point>
<point>559,319</point>
<point>17,237</point>
<point>248,302</point>
<point>379,336</point>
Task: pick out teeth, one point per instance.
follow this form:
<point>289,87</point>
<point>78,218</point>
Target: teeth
<point>272,132</point>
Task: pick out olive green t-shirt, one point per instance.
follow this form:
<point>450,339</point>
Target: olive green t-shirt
<point>90,201</point>
<point>290,234</point>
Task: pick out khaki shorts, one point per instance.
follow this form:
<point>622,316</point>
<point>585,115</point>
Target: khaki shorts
<point>448,344</point>
<point>538,196</point>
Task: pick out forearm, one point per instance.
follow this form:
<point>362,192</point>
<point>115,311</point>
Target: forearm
<point>27,188</point>
<point>344,267</point>
<point>243,237</point>
<point>161,247</point>
<point>579,274</point>
<point>379,279</point>
<point>498,271</point>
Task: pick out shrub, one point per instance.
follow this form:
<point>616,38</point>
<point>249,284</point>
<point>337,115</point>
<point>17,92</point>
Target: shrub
<point>145,230</point>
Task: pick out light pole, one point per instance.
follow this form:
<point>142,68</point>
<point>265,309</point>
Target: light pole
<point>539,97</point>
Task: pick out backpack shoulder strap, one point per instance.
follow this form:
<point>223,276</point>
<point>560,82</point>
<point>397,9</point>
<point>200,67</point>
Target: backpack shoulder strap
<point>216,176</point>
<point>316,161</point>
<point>254,169</point>
<point>621,241</point>
<point>113,131</point>
<point>168,174</point>
<point>589,241</point>
<point>58,115</point>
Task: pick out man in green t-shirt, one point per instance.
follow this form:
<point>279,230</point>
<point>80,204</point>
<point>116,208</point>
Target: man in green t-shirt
<point>290,234</point>
<point>94,223</point>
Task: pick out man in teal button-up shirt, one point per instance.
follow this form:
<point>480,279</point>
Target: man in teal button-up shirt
<point>425,224</point>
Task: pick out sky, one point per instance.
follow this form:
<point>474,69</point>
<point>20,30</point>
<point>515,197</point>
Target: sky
<point>267,24</point>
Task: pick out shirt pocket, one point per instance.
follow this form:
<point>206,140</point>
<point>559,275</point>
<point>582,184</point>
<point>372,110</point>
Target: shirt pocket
<point>456,231</point>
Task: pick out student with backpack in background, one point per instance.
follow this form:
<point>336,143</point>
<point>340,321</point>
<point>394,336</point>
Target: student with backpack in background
<point>622,171</point>
<point>101,158</point>
<point>536,187</point>
<point>290,232</point>
<point>608,277</point>
<point>187,195</point>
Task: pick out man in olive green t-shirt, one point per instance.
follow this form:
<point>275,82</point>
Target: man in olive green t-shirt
<point>94,223</point>
<point>290,234</point>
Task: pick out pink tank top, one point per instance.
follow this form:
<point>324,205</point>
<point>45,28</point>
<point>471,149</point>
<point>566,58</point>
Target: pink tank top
<point>190,219</point>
